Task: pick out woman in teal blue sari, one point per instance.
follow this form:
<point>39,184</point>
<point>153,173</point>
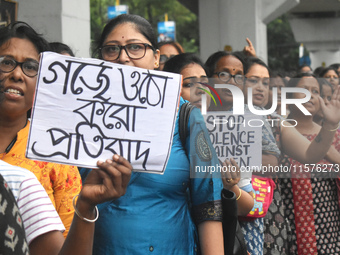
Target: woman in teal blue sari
<point>155,215</point>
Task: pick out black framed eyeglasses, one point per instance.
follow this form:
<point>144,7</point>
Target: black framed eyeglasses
<point>164,58</point>
<point>225,77</point>
<point>28,67</point>
<point>133,50</point>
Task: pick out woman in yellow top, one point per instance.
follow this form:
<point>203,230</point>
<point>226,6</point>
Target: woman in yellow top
<point>20,47</point>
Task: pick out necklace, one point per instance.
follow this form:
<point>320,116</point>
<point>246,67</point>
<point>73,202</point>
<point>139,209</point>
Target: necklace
<point>11,144</point>
<point>9,147</point>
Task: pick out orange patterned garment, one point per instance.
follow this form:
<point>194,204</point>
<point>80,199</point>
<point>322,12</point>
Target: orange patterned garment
<point>61,182</point>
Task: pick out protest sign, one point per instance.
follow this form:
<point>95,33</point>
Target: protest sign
<point>238,137</point>
<point>114,11</point>
<point>88,109</point>
<point>167,31</point>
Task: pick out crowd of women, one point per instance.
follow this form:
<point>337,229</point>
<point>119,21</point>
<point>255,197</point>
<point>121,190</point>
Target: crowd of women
<point>119,211</point>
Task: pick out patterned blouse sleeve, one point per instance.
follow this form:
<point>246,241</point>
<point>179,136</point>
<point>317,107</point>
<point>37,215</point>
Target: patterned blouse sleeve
<point>66,182</point>
<point>205,182</point>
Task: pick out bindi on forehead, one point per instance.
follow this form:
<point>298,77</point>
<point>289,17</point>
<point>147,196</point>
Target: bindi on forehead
<point>123,37</point>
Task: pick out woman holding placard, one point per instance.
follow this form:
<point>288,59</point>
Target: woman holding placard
<point>154,215</point>
<point>228,68</point>
<point>195,83</point>
<point>20,46</point>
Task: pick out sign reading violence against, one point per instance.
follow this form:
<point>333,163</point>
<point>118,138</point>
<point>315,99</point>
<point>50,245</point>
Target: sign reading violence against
<point>238,137</point>
<point>87,110</point>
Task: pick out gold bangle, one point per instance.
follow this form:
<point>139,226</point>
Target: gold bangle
<point>239,194</point>
<point>335,129</point>
<point>79,215</point>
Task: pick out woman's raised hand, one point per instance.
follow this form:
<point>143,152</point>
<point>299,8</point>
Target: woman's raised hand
<point>331,111</point>
<point>231,173</point>
<point>107,183</point>
<point>249,50</point>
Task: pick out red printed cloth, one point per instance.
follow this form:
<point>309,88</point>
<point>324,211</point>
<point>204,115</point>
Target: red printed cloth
<point>316,214</point>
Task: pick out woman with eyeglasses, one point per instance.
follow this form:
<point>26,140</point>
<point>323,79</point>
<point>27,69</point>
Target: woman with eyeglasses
<point>43,205</point>
<point>194,79</point>
<point>20,46</point>
<point>228,68</point>
<point>155,216</point>
<point>167,51</point>
<point>195,84</point>
<point>276,227</point>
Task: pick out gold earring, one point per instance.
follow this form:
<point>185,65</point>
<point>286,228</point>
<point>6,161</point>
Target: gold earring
<point>156,64</point>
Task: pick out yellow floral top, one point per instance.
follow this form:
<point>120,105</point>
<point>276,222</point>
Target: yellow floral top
<point>61,182</point>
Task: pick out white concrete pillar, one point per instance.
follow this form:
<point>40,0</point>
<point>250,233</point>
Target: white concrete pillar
<point>230,22</point>
<point>66,21</point>
<point>321,38</point>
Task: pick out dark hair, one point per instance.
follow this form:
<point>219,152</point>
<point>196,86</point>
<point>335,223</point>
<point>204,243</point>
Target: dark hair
<point>250,61</point>
<point>178,62</point>
<point>335,66</point>
<point>215,57</point>
<point>23,31</point>
<point>318,70</point>
<point>293,82</point>
<point>325,70</point>
<point>61,48</point>
<point>304,65</point>
<point>178,47</point>
<point>278,74</point>
<point>142,26</point>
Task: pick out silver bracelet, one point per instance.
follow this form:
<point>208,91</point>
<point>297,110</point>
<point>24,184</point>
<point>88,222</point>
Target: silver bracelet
<point>79,215</point>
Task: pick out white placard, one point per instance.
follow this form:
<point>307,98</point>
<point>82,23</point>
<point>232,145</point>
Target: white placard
<point>238,137</point>
<point>88,109</point>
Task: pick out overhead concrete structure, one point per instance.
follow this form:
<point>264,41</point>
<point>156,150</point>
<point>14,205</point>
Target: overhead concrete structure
<point>221,22</point>
<point>66,21</point>
<point>227,23</point>
<point>316,24</point>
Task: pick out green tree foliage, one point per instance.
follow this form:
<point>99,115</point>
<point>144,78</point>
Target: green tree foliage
<point>282,47</point>
<point>283,50</point>
<point>154,11</point>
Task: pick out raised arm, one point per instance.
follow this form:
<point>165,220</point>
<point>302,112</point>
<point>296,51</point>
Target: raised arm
<point>298,147</point>
<point>107,183</point>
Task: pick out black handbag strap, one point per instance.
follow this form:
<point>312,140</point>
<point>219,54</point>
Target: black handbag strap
<point>234,243</point>
<point>183,121</point>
